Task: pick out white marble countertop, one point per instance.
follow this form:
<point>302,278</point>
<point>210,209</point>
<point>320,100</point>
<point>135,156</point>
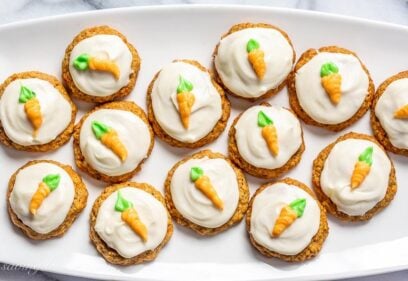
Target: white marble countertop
<point>395,11</point>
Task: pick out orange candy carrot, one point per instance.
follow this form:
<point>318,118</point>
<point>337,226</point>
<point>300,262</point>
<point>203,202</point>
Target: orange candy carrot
<point>85,61</point>
<point>185,100</point>
<point>362,167</point>
<point>32,108</point>
<point>331,81</point>
<point>288,215</point>
<point>256,58</point>
<point>109,137</point>
<point>402,112</point>
<point>269,132</point>
<point>203,183</point>
<point>49,184</point>
<point>130,216</point>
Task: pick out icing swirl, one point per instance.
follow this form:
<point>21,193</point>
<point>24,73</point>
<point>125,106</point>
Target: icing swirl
<point>55,110</point>
<point>337,171</point>
<point>193,204</point>
<point>54,209</point>
<point>236,71</point>
<point>97,83</point>
<point>133,133</point>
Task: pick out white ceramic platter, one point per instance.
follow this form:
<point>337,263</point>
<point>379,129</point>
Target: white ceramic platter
<point>162,34</point>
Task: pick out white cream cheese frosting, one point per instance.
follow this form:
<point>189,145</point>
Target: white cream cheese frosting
<point>54,208</point>
<point>193,204</point>
<point>394,97</point>
<point>235,71</point>
<point>313,98</point>
<point>119,236</point>
<point>206,110</point>
<point>266,209</point>
<point>252,146</point>
<point>337,171</point>
<point>97,83</point>
<point>133,133</point>
<point>55,109</point>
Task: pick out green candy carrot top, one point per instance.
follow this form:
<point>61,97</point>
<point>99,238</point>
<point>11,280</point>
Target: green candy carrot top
<point>32,108</point>
<point>256,58</point>
<point>110,139</point>
<point>331,81</point>
<point>203,183</point>
<point>48,184</point>
<point>288,214</point>
<point>130,216</point>
<point>269,132</point>
<point>362,167</point>
<point>85,62</point>
<point>185,100</point>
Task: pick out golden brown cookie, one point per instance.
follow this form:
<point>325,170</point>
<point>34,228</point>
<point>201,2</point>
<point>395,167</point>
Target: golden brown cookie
<point>242,201</point>
<point>80,160</point>
<point>241,26</point>
<point>79,203</point>
<point>59,140</point>
<point>256,171</point>
<point>316,242</point>
<point>318,165</point>
<point>297,108</point>
<point>211,136</point>
<point>112,255</point>
<point>67,77</point>
<point>378,130</point>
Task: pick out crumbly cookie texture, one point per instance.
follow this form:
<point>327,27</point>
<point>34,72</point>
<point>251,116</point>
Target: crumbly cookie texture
<point>79,203</point>
<point>294,102</point>
<point>211,136</point>
<point>256,171</point>
<point>315,244</point>
<point>110,254</point>
<point>241,26</point>
<point>80,159</point>
<point>63,137</point>
<point>318,165</point>
<point>242,203</point>
<point>66,75</point>
<point>376,127</point>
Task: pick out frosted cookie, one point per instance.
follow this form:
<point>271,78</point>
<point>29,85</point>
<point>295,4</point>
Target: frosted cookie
<point>100,65</point>
<point>130,223</point>
<point>354,178</point>
<point>266,141</point>
<point>389,113</point>
<point>186,108</point>
<point>285,221</point>
<point>36,112</point>
<point>112,141</point>
<point>44,198</point>
<point>253,60</point>
<point>206,192</point>
<point>330,88</point>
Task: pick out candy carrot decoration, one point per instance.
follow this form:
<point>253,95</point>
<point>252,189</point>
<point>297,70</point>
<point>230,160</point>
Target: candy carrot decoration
<point>130,216</point>
<point>185,100</point>
<point>288,215</point>
<point>269,132</point>
<point>331,81</point>
<point>48,184</point>
<point>402,112</point>
<point>32,108</point>
<point>109,137</point>
<point>362,167</point>
<point>85,61</point>
<point>256,58</point>
<point>203,183</point>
